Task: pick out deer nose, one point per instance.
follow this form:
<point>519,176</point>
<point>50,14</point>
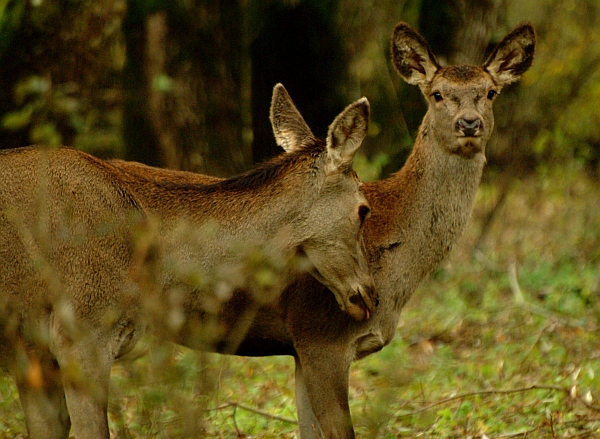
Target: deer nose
<point>469,127</point>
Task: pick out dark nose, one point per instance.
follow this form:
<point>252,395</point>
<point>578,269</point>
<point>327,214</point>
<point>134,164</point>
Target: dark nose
<point>469,127</point>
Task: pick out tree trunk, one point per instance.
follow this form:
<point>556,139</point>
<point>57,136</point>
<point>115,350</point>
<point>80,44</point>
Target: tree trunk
<point>188,93</point>
<point>296,45</point>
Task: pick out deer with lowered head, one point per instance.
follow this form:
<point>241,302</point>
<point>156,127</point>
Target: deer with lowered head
<point>84,244</point>
<point>417,215</point>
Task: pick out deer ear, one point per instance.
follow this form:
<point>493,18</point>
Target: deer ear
<point>412,56</point>
<point>289,127</point>
<point>512,56</point>
<point>346,134</point>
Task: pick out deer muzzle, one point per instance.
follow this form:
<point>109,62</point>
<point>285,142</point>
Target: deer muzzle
<point>469,127</point>
<point>362,304</point>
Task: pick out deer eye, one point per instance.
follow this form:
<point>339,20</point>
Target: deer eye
<point>363,212</point>
<point>492,94</point>
<point>437,96</point>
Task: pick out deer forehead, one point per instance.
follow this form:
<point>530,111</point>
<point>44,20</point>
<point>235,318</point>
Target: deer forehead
<point>462,82</point>
<point>343,183</point>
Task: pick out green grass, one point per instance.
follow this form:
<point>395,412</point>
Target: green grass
<point>501,344</point>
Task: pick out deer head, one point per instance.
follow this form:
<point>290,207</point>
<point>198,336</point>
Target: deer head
<point>460,98</point>
<point>328,244</point>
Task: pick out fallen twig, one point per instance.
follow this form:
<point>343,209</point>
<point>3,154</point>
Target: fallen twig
<point>513,281</point>
<point>523,433</point>
<point>254,410</point>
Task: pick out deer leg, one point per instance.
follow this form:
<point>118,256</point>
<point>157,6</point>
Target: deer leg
<point>307,421</point>
<point>86,383</point>
<point>322,395</point>
<point>43,401</point>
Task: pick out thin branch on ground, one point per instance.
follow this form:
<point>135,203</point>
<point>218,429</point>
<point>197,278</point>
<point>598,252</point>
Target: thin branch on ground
<point>513,281</point>
<point>431,426</point>
<point>488,263</point>
<point>537,339</point>
<point>239,433</point>
<point>254,410</point>
<point>523,433</point>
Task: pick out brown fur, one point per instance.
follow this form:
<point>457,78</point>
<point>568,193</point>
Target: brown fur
<point>418,214</point>
<point>94,252</point>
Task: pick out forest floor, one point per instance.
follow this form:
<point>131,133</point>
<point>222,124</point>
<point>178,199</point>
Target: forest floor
<point>502,341</point>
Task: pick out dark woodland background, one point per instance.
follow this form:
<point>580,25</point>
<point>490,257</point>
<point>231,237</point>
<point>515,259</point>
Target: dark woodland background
<point>187,83</point>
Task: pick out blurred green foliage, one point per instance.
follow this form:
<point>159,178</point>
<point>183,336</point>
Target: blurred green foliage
<point>60,82</point>
<point>557,102</point>
<point>40,104</point>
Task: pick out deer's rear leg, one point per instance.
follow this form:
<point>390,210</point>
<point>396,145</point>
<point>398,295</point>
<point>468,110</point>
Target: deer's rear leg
<point>43,399</point>
<point>322,395</point>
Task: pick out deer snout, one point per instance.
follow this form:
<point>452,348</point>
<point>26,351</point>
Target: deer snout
<point>469,126</point>
<point>363,304</point>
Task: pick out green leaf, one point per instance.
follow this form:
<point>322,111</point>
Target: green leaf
<point>16,120</point>
<point>164,83</point>
<point>33,85</point>
<point>45,133</point>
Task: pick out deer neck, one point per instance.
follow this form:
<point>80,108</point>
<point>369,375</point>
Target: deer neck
<point>418,214</point>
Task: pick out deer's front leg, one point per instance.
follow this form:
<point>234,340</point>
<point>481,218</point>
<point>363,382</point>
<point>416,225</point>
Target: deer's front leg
<point>85,368</point>
<point>307,421</point>
<point>322,394</point>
